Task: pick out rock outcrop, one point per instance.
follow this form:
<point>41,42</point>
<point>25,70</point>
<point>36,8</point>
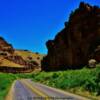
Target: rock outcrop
<point>5,47</point>
<point>77,42</point>
<point>8,52</point>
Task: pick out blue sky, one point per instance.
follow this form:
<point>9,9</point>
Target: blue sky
<point>28,24</point>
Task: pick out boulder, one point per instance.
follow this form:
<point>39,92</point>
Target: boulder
<point>92,63</point>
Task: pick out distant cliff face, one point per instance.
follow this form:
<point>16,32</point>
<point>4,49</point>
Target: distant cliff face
<point>77,42</point>
<point>5,47</point>
<point>9,53</point>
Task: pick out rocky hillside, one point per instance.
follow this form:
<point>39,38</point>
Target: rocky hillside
<point>5,48</point>
<point>11,57</point>
<point>28,55</point>
<point>78,42</point>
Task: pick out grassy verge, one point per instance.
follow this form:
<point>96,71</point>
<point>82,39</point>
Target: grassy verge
<point>5,83</point>
<point>84,82</point>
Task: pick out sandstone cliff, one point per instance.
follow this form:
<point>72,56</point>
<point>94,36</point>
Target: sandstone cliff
<point>77,42</point>
<point>17,58</point>
<point>5,47</point>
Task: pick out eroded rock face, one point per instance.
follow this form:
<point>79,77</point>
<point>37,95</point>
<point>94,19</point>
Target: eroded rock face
<point>76,43</point>
<point>7,51</point>
<point>5,47</point>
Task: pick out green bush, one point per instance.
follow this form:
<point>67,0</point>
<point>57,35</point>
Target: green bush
<point>87,79</point>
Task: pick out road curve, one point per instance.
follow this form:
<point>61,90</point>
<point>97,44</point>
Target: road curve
<point>27,90</point>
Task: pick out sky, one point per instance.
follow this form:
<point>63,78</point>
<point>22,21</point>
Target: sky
<point>28,24</point>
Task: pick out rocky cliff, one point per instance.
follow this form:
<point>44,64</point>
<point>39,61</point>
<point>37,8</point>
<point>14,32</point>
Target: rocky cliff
<point>77,42</point>
<point>5,47</point>
<point>9,57</point>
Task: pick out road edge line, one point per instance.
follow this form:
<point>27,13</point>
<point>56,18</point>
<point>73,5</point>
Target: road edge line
<point>10,95</point>
<point>34,90</point>
<point>66,93</point>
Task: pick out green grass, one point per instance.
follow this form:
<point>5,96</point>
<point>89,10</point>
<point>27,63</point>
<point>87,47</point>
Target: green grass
<point>5,83</point>
<point>76,81</point>
<point>84,82</point>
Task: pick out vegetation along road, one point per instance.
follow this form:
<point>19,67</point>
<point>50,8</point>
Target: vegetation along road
<point>25,89</point>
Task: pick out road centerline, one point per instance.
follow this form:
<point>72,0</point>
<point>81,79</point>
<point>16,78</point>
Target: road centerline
<point>35,90</point>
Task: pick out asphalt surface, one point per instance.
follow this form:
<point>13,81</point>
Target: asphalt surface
<point>27,90</point>
<point>21,92</point>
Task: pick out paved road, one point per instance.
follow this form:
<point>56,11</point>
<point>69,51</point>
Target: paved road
<point>27,90</point>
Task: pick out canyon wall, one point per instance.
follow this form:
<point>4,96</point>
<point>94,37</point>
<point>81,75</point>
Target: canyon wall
<point>78,42</point>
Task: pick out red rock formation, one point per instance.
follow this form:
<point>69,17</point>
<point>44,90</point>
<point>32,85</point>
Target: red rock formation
<point>7,51</point>
<point>76,43</point>
<point>5,47</point>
